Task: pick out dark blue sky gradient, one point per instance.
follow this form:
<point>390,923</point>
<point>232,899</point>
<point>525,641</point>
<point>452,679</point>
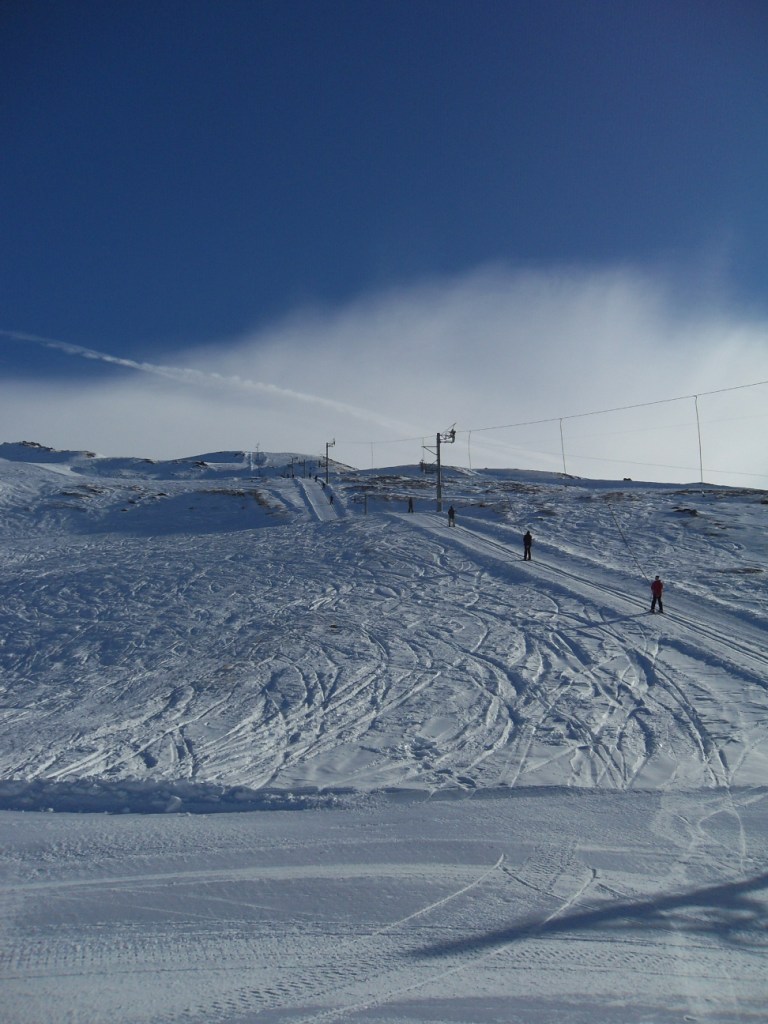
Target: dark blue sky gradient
<point>174,172</point>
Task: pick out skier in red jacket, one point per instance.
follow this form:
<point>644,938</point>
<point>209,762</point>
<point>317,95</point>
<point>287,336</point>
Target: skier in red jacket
<point>656,590</point>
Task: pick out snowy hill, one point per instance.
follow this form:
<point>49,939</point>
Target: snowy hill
<point>225,632</point>
<point>156,631</point>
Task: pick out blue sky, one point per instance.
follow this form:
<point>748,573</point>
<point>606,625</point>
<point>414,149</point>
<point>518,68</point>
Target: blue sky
<point>231,187</point>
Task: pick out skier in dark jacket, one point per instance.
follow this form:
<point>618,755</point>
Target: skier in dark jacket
<point>527,541</point>
<point>451,516</point>
<point>656,591</point>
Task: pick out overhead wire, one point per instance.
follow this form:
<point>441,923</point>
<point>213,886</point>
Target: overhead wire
<point>620,408</point>
<point>572,416</point>
<point>629,547</point>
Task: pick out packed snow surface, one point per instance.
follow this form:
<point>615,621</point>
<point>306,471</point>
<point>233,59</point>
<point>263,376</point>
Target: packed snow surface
<point>359,765</point>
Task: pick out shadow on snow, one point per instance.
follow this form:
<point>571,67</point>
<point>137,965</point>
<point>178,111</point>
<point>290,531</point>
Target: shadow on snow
<point>726,910</point>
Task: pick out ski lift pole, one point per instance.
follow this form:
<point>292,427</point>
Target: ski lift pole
<point>328,444</point>
<point>439,479</point>
<point>447,438</point>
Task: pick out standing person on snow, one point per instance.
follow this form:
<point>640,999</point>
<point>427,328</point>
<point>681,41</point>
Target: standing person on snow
<point>527,541</point>
<point>451,516</point>
<point>656,590</point>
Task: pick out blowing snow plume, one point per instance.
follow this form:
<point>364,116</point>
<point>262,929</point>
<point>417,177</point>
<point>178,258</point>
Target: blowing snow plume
<point>495,348</point>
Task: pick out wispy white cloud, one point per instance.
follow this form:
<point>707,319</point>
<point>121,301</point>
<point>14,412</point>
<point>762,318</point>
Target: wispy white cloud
<point>496,347</point>
<point>201,378</point>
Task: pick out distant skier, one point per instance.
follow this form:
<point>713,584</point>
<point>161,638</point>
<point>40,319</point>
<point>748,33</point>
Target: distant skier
<point>451,516</point>
<point>527,542</point>
<point>656,590</point>
<point>410,504</point>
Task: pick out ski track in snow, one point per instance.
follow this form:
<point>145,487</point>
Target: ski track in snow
<point>632,689</point>
<point>364,652</point>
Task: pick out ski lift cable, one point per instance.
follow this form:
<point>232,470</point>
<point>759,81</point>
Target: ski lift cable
<point>578,415</point>
<point>626,541</point>
<point>621,408</point>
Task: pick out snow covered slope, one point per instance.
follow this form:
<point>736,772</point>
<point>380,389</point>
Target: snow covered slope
<point>216,623</point>
<point>484,790</point>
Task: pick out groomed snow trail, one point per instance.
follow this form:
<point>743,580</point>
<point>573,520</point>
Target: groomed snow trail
<point>575,906</point>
